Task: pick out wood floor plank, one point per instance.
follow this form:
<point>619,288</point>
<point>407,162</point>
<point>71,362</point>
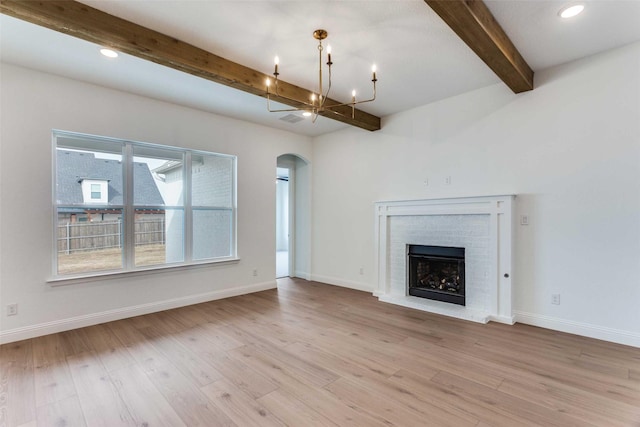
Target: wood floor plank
<point>317,373</point>
<point>578,404</point>
<point>508,403</point>
<point>4,391</point>
<point>242,376</point>
<point>144,401</point>
<point>264,362</point>
<point>308,353</point>
<point>75,341</point>
<point>292,411</point>
<point>187,400</point>
<point>598,383</point>
<point>48,349</point>
<point>351,349</point>
<point>142,349</point>
<point>454,402</point>
<point>17,374</point>
<point>111,351</point>
<point>619,361</point>
<point>317,398</point>
<point>99,399</point>
<point>239,406</point>
<point>52,378</point>
<point>53,383</point>
<point>65,413</point>
<point>187,361</point>
<point>340,365</point>
<point>397,404</point>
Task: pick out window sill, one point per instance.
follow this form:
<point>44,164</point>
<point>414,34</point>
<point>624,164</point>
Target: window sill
<point>92,277</point>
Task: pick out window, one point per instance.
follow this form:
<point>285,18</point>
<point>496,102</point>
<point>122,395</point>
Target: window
<point>125,206</point>
<point>95,192</point>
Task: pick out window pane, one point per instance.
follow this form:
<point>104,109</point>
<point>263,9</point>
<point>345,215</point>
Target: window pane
<point>77,172</point>
<point>95,191</point>
<point>159,236</point>
<point>211,233</point>
<point>212,180</point>
<point>157,177</point>
<point>89,240</point>
<point>91,204</point>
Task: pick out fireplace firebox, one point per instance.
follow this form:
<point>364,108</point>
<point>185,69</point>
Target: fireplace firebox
<point>436,272</point>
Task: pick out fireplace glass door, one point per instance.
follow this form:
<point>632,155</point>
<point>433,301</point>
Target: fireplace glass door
<point>436,272</point>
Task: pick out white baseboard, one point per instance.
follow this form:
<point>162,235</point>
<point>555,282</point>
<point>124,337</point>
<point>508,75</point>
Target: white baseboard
<point>62,325</point>
<point>579,328</point>
<point>303,275</point>
<point>360,286</point>
<point>507,320</point>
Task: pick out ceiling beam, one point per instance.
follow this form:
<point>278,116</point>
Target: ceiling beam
<point>472,21</point>
<point>87,23</point>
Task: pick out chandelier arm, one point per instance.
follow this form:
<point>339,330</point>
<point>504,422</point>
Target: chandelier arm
<point>349,103</point>
<point>306,105</point>
<point>354,103</point>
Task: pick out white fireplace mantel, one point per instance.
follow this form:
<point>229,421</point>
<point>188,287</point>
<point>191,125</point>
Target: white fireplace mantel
<point>483,225</point>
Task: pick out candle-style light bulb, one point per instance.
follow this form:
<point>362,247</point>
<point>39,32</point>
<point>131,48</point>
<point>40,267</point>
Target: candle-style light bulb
<point>373,70</point>
<point>268,82</point>
<point>276,60</point>
<point>353,96</point>
<point>329,54</point>
<point>313,98</point>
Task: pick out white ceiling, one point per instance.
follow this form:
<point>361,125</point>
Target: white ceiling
<point>419,59</point>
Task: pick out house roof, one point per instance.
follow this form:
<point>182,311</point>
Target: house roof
<point>74,166</point>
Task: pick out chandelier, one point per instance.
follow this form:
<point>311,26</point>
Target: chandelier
<point>317,104</point>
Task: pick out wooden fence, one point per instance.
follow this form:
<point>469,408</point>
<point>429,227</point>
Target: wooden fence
<point>89,236</point>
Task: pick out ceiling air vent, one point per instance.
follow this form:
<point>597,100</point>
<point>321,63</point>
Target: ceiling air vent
<point>291,118</point>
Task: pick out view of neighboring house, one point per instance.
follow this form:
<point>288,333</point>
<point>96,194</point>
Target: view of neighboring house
<point>212,199</point>
<point>83,179</point>
<point>89,200</point>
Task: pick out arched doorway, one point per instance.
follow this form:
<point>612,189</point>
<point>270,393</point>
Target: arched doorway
<point>293,226</point>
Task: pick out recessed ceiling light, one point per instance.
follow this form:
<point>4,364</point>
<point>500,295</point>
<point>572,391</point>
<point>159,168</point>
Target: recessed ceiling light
<point>306,114</point>
<point>109,53</point>
<point>571,11</point>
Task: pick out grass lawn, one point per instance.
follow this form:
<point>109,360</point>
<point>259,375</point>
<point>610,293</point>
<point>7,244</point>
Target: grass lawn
<point>108,259</point>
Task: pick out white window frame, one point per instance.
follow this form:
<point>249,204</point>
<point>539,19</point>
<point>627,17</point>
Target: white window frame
<point>128,209</point>
<point>87,191</point>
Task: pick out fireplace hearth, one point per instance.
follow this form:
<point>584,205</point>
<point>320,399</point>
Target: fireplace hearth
<point>436,272</point>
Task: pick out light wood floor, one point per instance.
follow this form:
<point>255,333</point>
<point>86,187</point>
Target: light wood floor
<point>312,354</point>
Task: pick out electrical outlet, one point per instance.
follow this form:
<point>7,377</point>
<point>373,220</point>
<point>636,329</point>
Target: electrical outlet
<point>524,219</point>
<point>555,299</point>
<point>447,180</point>
<point>12,309</point>
<point>255,272</point>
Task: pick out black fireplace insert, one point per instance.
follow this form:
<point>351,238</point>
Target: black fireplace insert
<point>436,272</point>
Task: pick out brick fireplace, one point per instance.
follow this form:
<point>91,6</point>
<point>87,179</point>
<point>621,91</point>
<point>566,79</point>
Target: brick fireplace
<point>479,227</point>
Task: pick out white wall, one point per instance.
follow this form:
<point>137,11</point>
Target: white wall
<point>32,104</point>
<point>282,215</point>
<point>570,150</point>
